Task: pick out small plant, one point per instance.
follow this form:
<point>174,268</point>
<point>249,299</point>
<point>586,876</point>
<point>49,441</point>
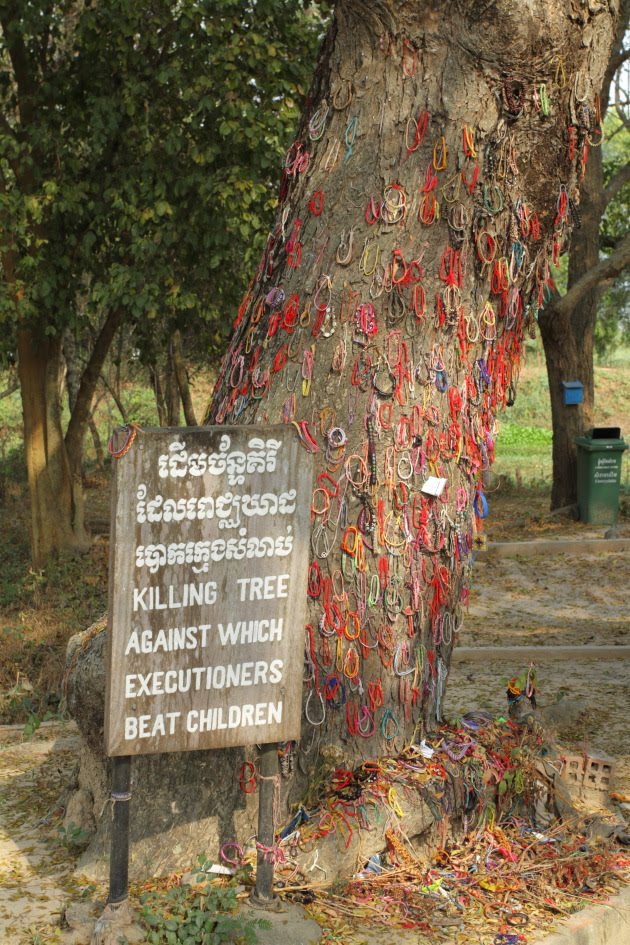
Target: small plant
<point>38,939</point>
<point>200,915</point>
<point>34,721</point>
<point>73,836</point>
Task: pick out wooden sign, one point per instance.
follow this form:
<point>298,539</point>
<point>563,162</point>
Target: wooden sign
<point>208,565</point>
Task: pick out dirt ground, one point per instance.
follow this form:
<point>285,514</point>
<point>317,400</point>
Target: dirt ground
<point>552,600</point>
<point>559,600</point>
<point>35,863</point>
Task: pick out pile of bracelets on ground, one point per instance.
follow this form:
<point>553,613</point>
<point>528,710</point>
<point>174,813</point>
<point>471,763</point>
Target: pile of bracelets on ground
<point>500,882</point>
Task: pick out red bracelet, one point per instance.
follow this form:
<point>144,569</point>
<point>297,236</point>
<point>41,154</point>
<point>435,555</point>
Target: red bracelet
<point>317,203</point>
<point>247,777</point>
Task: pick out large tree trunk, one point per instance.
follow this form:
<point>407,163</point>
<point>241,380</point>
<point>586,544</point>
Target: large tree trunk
<point>389,332</point>
<point>54,524</point>
<point>565,361</point>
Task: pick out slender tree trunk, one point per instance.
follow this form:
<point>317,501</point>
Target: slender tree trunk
<point>54,524</point>
<point>81,412</point>
<point>158,393</point>
<point>73,377</point>
<point>563,361</point>
<point>97,443</point>
<point>171,390</point>
<point>117,399</point>
<point>421,204</point>
<point>73,382</point>
<point>181,374</point>
<point>166,390</point>
<point>568,340</point>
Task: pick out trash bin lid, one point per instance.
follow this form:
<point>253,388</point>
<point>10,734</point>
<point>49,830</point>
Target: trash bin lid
<point>591,444</point>
<point>605,433</point>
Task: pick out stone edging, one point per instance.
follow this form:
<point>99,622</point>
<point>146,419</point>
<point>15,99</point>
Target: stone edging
<point>607,924</point>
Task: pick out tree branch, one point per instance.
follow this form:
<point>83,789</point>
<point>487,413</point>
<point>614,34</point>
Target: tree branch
<point>608,242</point>
<point>619,60</point>
<point>112,393</point>
<point>616,182</point>
<point>13,386</point>
<point>606,269</point>
<point>81,412</point>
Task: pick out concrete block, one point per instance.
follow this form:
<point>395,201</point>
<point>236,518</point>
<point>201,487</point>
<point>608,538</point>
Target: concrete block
<point>607,924</point>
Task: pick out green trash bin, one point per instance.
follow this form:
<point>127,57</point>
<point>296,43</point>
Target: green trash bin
<point>599,457</point>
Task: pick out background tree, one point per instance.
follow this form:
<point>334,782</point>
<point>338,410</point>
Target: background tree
<point>568,321</point>
<point>134,172</point>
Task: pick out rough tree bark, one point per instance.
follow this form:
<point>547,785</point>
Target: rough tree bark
<point>568,332</point>
<point>423,198</point>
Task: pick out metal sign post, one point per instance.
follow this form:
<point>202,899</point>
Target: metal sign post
<point>268,778</point>
<point>119,858</point>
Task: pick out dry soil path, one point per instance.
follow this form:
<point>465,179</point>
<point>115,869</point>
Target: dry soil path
<point>35,865</point>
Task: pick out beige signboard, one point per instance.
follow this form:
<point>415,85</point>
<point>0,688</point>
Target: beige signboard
<point>208,564</point>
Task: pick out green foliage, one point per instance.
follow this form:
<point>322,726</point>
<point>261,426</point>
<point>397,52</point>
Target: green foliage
<point>203,915</point>
<point>613,323</point>
<point>140,143</point>
<point>616,153</point>
<point>34,721</point>
<point>612,328</point>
